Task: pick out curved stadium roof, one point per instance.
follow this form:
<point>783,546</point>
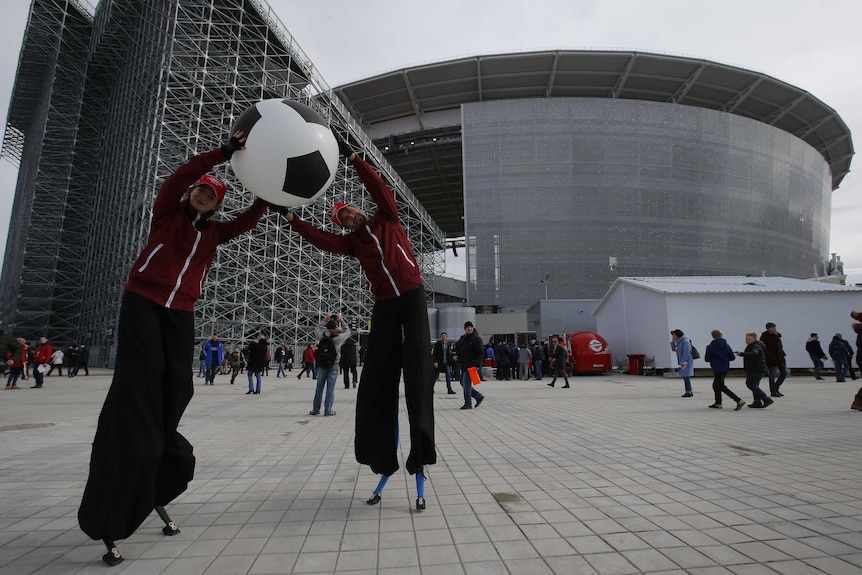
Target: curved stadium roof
<point>413,114</point>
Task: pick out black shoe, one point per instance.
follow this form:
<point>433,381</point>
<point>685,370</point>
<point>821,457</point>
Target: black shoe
<point>480,400</point>
<point>767,402</point>
<point>256,393</point>
<point>170,529</point>
<point>550,384</point>
<point>757,404</point>
<point>249,392</point>
<point>112,557</point>
<point>687,394</point>
<point>817,377</point>
<point>36,387</point>
<point>466,407</point>
<point>373,500</point>
<point>565,386</point>
<point>314,412</point>
<point>451,392</point>
<point>779,394</point>
<point>841,380</point>
<point>420,503</point>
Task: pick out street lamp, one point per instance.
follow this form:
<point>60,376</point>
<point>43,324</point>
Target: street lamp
<point>545,282</point>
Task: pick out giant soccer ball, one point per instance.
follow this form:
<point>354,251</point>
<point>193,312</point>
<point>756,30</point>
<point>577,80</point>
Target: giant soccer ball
<point>290,154</point>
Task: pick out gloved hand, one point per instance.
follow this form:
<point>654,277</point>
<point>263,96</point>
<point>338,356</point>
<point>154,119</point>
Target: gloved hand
<point>343,148</point>
<point>281,210</point>
<point>236,142</point>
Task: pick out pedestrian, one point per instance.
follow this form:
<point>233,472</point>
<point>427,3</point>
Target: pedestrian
<point>42,362</point>
<point>213,356</point>
<point>257,360</point>
<point>71,359</point>
<point>331,334</point>
<point>139,460</point>
<point>719,355</point>
<point>682,346</point>
<point>775,362</point>
<point>538,360</point>
<point>440,355</point>
<point>202,357</point>
<point>502,354</point>
<point>307,363</point>
<point>14,356</point>
<point>399,325</point>
<point>470,354</point>
<point>280,353</point>
<point>850,354</point>
<point>83,360</point>
<point>57,360</point>
<point>235,361</point>
<point>288,359</point>
<point>815,352</point>
<point>754,365</point>
<point>838,353</point>
<point>558,363</point>
<point>524,356</point>
<point>347,361</point>
<point>857,327</point>
<point>513,360</point>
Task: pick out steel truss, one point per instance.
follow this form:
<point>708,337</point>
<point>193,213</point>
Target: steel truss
<point>137,88</point>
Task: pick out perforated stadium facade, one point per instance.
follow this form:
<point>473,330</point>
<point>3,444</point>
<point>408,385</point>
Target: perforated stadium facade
<point>106,104</point>
<point>565,169</point>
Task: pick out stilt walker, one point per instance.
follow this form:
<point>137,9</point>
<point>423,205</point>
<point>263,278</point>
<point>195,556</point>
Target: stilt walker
<point>139,461</point>
<point>377,495</point>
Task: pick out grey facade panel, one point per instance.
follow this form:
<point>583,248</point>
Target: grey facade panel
<point>588,190</point>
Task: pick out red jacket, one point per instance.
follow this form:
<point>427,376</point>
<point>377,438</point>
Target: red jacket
<point>381,246</point>
<point>308,355</point>
<point>182,244</point>
<point>44,353</point>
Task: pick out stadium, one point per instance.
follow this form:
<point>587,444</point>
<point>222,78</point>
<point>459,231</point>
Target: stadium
<point>586,166</point>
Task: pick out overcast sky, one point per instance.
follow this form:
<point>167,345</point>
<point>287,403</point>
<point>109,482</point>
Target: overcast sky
<point>815,46</point>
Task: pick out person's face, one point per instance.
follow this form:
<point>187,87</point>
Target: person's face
<point>468,330</point>
<point>215,338</point>
<point>443,337</point>
<point>749,339</point>
<point>335,331</point>
<point>352,217</point>
<point>772,329</point>
<point>673,335</point>
<point>203,199</point>
<point>43,340</point>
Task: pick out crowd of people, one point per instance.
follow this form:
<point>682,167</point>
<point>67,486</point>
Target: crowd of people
<point>40,360</point>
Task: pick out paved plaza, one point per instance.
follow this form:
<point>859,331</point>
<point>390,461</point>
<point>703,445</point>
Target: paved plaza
<point>616,475</point>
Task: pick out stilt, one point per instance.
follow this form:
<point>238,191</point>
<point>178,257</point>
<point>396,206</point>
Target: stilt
<point>375,497</point>
<point>420,489</point>
<point>112,557</point>
<point>170,529</point>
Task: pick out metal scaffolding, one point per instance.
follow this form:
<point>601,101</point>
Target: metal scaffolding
<point>107,105</point>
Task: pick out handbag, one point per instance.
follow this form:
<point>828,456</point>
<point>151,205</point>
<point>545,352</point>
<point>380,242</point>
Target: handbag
<point>694,353</point>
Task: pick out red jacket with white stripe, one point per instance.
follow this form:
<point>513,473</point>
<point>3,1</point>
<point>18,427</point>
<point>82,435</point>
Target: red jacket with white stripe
<point>381,245</point>
<point>182,244</point>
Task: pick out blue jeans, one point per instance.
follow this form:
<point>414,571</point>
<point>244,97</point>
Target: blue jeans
<point>251,375</point>
<point>687,382</point>
<point>818,365</point>
<point>211,372</point>
<point>537,365</point>
<point>470,392</point>
<point>445,369</point>
<point>842,367</point>
<point>281,369</point>
<point>327,377</point>
<point>752,382</point>
<point>775,383</point>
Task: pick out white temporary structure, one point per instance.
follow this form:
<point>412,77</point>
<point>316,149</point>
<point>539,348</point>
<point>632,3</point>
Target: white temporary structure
<point>637,314</point>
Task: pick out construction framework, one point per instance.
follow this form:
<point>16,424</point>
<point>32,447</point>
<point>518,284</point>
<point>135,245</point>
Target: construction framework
<point>106,105</point>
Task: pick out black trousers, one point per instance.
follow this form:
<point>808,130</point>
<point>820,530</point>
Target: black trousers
<point>139,460</point>
<point>719,387</point>
<point>399,339</point>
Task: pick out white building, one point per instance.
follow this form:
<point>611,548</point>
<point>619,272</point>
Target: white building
<point>637,314</point>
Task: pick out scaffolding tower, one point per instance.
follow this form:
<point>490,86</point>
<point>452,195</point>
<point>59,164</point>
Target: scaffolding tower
<point>106,105</point>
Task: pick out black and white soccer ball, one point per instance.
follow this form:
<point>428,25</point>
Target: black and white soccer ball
<point>290,154</point>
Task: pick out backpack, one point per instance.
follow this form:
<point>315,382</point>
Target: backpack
<point>325,355</point>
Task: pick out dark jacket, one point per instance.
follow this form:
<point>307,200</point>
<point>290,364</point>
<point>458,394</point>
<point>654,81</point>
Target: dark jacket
<point>347,355</point>
<point>754,358</point>
<point>9,346</point>
<point>471,353</point>
<point>538,353</point>
<point>381,246</point>
<point>839,349</point>
<point>182,243</point>
<point>257,355</point>
<point>437,353</point>
<point>774,349</point>
<point>719,355</point>
<point>812,346</point>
